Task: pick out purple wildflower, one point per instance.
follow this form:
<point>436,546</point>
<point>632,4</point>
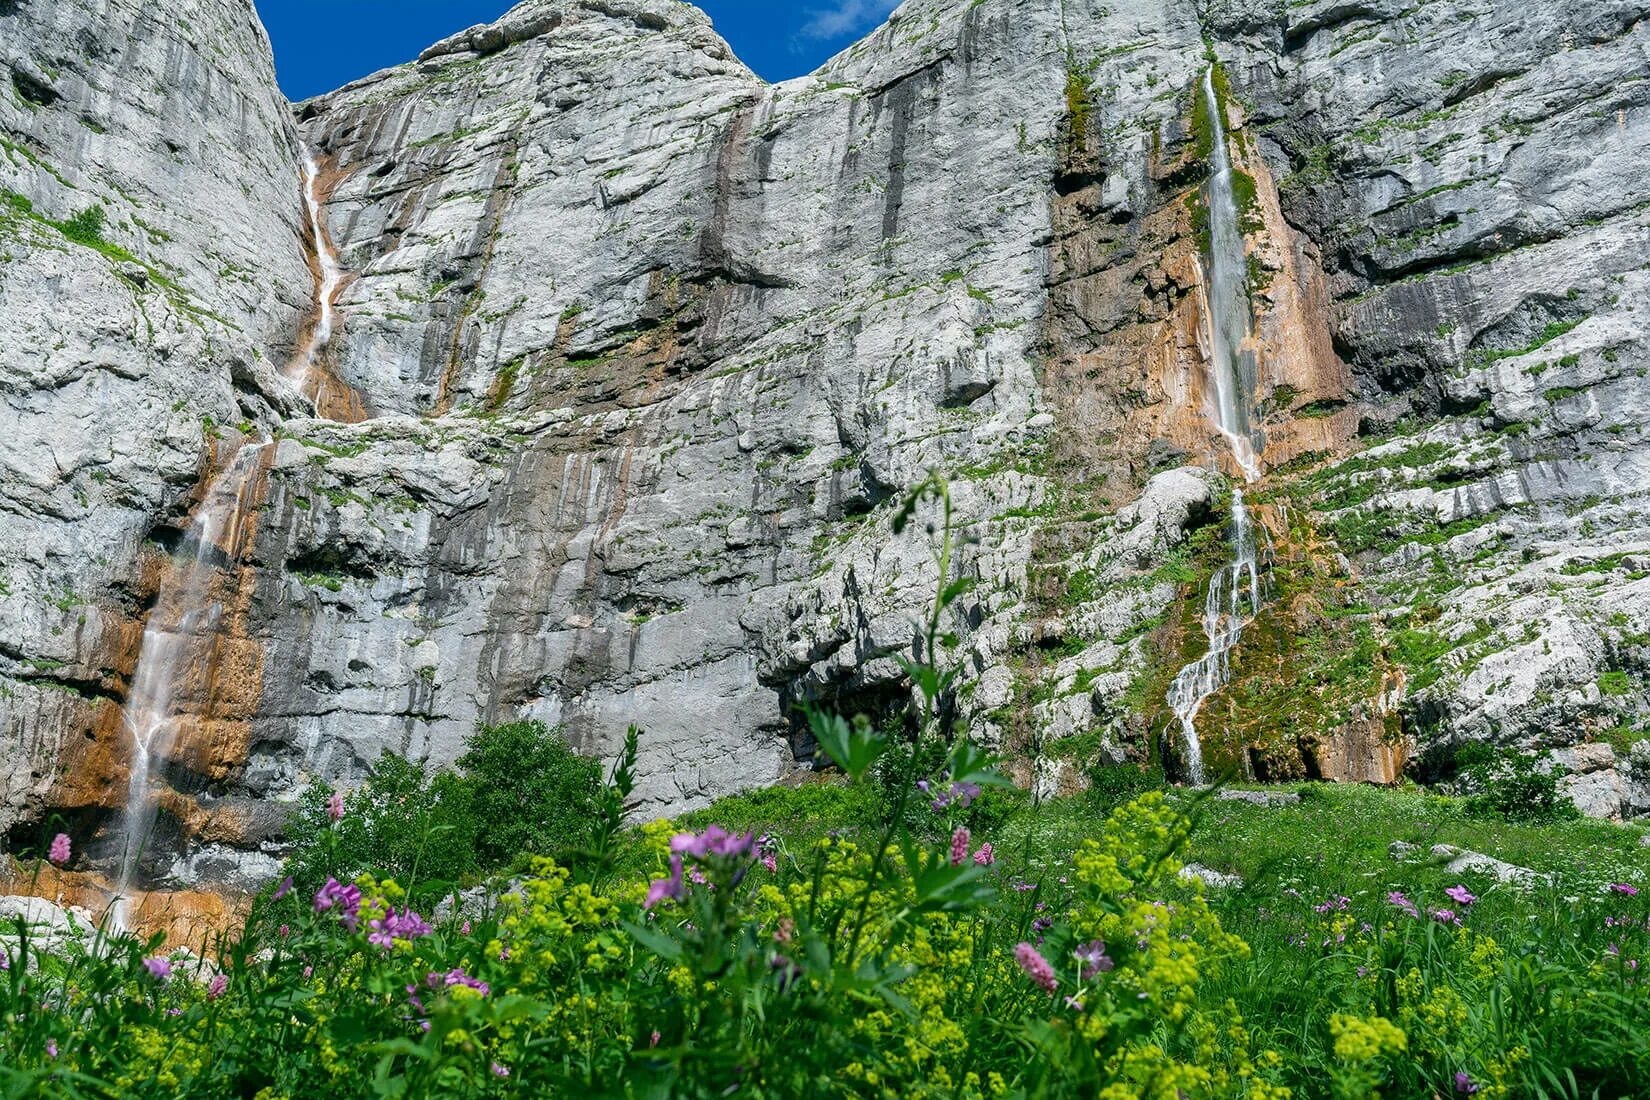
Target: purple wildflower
<point>346,898</point>
<point>392,926</point>
<point>1021,886</point>
<point>1333,905</point>
<point>1092,960</point>
<point>335,807</point>
<point>60,850</point>
<point>51,1048</point>
<point>1443,916</point>
<point>959,847</point>
<point>1625,888</point>
<point>770,863</point>
<point>500,1071</point>
<point>1400,901</point>
<point>1460,895</point>
<point>1463,1083</point>
<point>714,843</point>
<point>986,856</point>
<point>217,986</point>
<point>663,888</point>
<point>160,969</point>
<point>456,977</point>
<point>1036,967</point>
<point>282,890</point>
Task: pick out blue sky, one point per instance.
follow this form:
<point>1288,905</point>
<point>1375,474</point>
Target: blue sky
<point>323,44</point>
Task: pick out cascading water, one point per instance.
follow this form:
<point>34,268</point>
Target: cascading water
<point>331,275</point>
<point>1234,595</point>
<point>177,641</point>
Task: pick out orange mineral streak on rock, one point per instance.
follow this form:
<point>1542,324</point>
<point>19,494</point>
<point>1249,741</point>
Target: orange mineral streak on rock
<point>215,699</point>
<point>194,919</point>
<point>317,376</point>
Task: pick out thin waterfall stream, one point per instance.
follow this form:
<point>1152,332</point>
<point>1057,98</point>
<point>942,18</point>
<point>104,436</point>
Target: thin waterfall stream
<point>331,272</point>
<point>177,650</point>
<point>174,660</point>
<point>1234,596</point>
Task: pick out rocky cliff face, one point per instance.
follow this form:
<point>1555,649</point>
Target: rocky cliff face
<point>649,350</point>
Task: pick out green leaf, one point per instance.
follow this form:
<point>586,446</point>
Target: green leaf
<point>661,945</point>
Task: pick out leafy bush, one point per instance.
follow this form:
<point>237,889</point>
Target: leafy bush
<point>86,227</point>
<point>535,794</point>
<point>520,791</point>
<point>1510,785</point>
<point>1112,785</point>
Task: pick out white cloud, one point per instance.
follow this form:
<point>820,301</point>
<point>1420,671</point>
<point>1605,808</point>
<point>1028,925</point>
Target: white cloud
<point>845,17</point>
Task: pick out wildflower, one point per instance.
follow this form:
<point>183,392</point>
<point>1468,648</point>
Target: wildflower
<point>770,863</point>
<point>786,930</point>
<point>335,807</point>
<point>714,842</point>
<point>500,1071</point>
<point>663,888</point>
<point>986,856</point>
<point>464,929</point>
<point>51,1048</point>
<point>1400,901</point>
<point>1625,888</point>
<point>654,1041</point>
<point>284,931</point>
<point>959,847</point>
<point>1021,886</point>
<point>1036,967</point>
<point>392,926</point>
<point>216,987</point>
<point>282,890</point>
<point>346,898</point>
<point>1333,904</point>
<point>457,977</point>
<point>1092,959</point>
<point>1443,916</point>
<point>59,853</point>
<point>1074,1004</point>
<point>160,969</point>
<point>1460,895</point>
<point>1463,1083</point>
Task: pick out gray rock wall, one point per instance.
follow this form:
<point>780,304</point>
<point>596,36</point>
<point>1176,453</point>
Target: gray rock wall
<point>652,349</point>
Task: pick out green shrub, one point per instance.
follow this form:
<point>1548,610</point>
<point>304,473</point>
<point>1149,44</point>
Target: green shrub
<point>520,791</point>
<point>86,227</point>
<point>1112,785</point>
<point>1509,785</point>
<point>534,793</point>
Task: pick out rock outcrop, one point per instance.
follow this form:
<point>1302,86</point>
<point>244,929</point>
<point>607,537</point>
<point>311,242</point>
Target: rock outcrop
<point>649,350</point>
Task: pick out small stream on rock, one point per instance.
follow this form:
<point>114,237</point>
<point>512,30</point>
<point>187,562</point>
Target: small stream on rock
<point>1234,596</point>
<point>177,661</point>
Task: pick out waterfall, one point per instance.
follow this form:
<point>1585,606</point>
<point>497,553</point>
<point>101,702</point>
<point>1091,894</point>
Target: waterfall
<point>331,272</point>
<point>1234,595</point>
<point>177,650</point>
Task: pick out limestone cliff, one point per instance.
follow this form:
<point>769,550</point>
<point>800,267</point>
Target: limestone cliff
<point>649,349</point>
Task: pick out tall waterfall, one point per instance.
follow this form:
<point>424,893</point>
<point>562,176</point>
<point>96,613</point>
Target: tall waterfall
<point>1234,595</point>
<point>331,272</point>
<point>177,650</point>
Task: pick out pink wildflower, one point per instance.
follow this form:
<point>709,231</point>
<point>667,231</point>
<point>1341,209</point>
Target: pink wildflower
<point>335,807</point>
<point>216,987</point>
<point>59,853</point>
<point>1460,895</point>
<point>51,1048</point>
<point>1625,888</point>
<point>770,863</point>
<point>655,1040</point>
<point>663,888</point>
<point>986,856</point>
<point>959,847</point>
<point>159,969</point>
<point>1092,960</point>
<point>1036,967</point>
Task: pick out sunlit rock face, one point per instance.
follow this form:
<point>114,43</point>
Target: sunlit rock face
<point>649,351</point>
